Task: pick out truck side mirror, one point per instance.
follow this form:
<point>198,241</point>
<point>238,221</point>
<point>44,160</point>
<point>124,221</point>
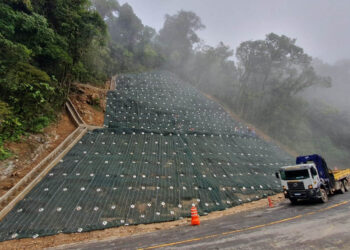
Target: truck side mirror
<point>277,175</point>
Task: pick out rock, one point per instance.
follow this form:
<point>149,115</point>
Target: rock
<point>93,99</point>
<point>7,168</point>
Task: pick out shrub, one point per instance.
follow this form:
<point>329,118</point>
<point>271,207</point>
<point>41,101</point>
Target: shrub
<point>32,95</point>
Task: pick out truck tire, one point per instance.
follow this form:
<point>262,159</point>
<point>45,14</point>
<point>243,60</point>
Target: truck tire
<point>293,201</point>
<point>342,188</point>
<point>324,196</point>
<point>346,185</point>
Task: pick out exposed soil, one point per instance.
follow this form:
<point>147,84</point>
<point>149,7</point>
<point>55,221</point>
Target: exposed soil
<point>90,102</point>
<point>112,233</point>
<point>35,147</point>
<point>31,150</point>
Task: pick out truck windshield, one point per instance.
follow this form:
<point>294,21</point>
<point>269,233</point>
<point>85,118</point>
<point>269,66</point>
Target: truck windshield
<point>295,174</point>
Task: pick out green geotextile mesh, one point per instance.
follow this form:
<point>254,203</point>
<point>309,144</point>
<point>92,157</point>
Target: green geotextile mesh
<point>164,147</point>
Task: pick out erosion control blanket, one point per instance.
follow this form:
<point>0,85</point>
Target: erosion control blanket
<point>164,147</point>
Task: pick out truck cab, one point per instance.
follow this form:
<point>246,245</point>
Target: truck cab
<point>300,182</point>
<point>309,179</point>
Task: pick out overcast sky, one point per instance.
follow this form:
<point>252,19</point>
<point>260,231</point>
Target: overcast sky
<point>321,27</point>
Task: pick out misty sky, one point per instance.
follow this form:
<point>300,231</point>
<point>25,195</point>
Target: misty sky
<point>321,27</point>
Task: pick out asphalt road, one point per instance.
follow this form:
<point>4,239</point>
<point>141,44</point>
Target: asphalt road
<point>303,226</point>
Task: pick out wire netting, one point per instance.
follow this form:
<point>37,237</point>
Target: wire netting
<point>164,147</point>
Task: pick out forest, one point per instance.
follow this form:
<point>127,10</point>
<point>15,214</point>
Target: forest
<point>271,83</point>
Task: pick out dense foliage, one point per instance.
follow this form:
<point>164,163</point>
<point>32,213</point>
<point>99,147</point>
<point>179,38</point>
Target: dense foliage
<point>131,45</point>
<point>45,45</point>
<point>28,95</point>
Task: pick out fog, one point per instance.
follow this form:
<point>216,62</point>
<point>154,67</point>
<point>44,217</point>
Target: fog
<point>338,94</point>
<point>321,27</point>
<point>282,66</point>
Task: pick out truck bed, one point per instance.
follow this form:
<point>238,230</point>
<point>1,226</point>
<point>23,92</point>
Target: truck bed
<point>340,174</point>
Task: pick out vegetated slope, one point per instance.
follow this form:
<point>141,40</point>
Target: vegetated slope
<point>164,147</point>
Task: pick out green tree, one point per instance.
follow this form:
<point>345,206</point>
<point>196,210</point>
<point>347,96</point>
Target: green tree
<point>178,36</point>
<point>213,71</point>
<point>126,29</point>
<point>273,70</point>
<point>106,8</point>
<point>78,26</point>
<point>44,46</point>
<point>131,45</point>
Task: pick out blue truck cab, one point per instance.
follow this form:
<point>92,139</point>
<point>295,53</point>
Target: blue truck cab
<point>311,179</point>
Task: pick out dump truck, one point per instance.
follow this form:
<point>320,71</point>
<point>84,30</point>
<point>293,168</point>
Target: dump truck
<point>311,179</point>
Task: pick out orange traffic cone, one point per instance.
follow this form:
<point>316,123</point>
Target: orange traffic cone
<point>194,216</point>
<point>270,202</point>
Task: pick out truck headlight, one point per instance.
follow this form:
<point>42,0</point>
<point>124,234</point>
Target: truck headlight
<point>310,187</point>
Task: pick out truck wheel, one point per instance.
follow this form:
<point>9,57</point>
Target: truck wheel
<point>324,196</point>
<point>346,185</point>
<point>342,188</point>
<point>293,201</point>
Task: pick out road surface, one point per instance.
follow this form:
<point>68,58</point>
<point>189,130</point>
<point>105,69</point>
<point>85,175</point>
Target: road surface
<point>303,226</point>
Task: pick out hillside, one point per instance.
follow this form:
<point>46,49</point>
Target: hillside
<point>46,46</point>
<point>164,147</point>
<point>34,147</point>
